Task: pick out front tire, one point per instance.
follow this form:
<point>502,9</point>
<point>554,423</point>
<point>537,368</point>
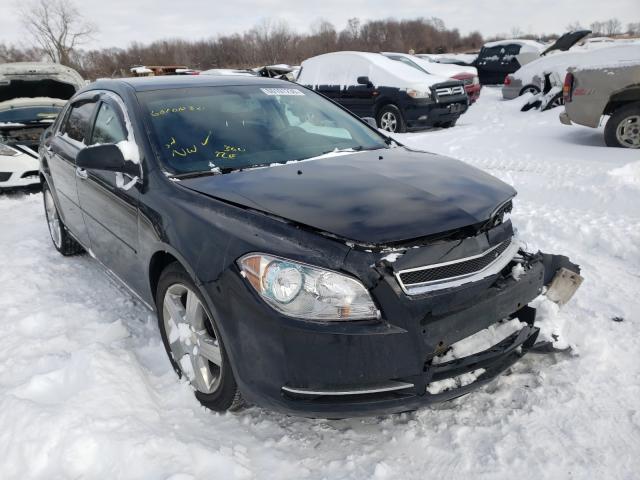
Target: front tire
<point>390,119</point>
<point>623,127</point>
<point>192,341</point>
<point>61,238</point>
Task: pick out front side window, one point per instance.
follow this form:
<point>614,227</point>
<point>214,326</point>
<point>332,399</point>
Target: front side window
<point>236,127</point>
<point>108,127</point>
<point>77,125</point>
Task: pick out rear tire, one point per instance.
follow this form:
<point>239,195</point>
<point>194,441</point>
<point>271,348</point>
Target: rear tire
<point>623,127</point>
<point>195,348</point>
<point>60,236</point>
<point>390,119</point>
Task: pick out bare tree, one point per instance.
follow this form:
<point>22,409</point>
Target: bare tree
<point>633,28</point>
<point>56,27</point>
<point>574,26</point>
<point>612,27</point>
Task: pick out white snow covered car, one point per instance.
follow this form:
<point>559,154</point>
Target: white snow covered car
<point>31,97</point>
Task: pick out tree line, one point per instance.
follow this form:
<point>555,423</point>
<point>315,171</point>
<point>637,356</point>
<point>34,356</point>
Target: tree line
<point>58,31</point>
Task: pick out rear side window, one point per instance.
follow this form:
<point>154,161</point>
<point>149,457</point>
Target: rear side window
<point>108,127</point>
<point>77,126</point>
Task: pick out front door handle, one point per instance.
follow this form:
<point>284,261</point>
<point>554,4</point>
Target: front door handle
<point>81,173</point>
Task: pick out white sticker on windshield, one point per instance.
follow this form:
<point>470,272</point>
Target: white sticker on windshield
<point>282,91</point>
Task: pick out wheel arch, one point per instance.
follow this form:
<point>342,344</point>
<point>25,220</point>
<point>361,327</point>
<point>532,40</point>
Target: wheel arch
<point>622,98</point>
<point>160,260</point>
<point>383,102</point>
<point>527,86</point>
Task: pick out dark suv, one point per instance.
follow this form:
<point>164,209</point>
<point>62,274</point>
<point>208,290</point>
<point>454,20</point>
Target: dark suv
<point>295,257</point>
<point>397,96</point>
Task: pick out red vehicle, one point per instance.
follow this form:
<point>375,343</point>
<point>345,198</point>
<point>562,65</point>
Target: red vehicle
<point>471,85</point>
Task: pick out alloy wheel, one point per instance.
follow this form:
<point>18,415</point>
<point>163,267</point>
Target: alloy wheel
<point>191,338</point>
<point>388,122</point>
<point>53,220</point>
<point>628,132</point>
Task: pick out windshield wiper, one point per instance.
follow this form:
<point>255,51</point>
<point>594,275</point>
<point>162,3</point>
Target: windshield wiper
<point>203,173</point>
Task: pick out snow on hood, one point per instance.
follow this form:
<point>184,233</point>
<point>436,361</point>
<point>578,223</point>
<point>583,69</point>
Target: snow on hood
<point>343,68</point>
<point>434,68</point>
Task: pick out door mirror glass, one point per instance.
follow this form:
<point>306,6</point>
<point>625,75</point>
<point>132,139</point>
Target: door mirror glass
<point>364,81</point>
<point>107,158</point>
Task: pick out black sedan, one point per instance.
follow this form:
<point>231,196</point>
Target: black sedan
<point>296,257</point>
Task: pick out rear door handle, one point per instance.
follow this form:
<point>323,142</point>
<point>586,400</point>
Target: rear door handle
<point>81,173</point>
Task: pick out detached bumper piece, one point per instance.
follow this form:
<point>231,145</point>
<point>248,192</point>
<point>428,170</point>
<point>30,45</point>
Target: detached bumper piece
<point>458,377</point>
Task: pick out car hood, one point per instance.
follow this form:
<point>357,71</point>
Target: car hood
<point>566,41</point>
<point>33,80</point>
<point>370,197</point>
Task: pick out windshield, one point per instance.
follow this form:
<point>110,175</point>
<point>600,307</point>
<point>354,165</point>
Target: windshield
<point>235,127</point>
<point>29,115</point>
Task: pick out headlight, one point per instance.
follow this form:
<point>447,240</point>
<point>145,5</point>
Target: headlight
<point>425,93</point>
<point>7,151</point>
<point>302,291</point>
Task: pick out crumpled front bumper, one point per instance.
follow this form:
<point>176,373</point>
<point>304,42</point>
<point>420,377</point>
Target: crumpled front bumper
<point>372,368</point>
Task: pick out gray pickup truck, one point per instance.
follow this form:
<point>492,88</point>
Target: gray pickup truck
<point>613,90</point>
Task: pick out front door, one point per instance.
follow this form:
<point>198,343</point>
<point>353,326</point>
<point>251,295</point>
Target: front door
<point>110,208</point>
<point>60,150</point>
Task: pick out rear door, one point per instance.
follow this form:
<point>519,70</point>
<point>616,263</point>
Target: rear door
<point>110,206</point>
<point>61,150</point>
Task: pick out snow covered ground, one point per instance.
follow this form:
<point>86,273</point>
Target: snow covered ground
<point>86,390</point>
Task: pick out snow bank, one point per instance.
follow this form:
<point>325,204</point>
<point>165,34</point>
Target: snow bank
<point>628,174</point>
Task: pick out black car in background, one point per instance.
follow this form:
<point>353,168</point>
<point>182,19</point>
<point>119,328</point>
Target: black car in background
<point>397,96</point>
<point>498,59</point>
<point>295,257</point>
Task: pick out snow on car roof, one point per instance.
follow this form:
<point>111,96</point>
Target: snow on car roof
<point>526,45</point>
<point>608,57</point>
<point>559,62</point>
<point>343,68</point>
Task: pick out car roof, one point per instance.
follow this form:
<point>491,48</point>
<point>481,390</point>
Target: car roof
<point>145,84</point>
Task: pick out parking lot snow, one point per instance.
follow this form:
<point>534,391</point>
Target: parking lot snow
<point>86,390</point>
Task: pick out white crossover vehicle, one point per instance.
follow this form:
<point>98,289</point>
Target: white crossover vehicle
<point>31,96</point>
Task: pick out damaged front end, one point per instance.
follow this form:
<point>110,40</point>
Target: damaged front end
<point>432,297</point>
<point>465,287</point>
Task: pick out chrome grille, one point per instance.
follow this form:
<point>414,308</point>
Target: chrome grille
<point>446,274</point>
<point>447,91</point>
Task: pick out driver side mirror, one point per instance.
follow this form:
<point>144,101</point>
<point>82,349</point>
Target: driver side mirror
<point>364,81</point>
<point>108,158</point>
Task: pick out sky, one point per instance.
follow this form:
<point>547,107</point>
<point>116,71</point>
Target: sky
<point>121,22</point>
